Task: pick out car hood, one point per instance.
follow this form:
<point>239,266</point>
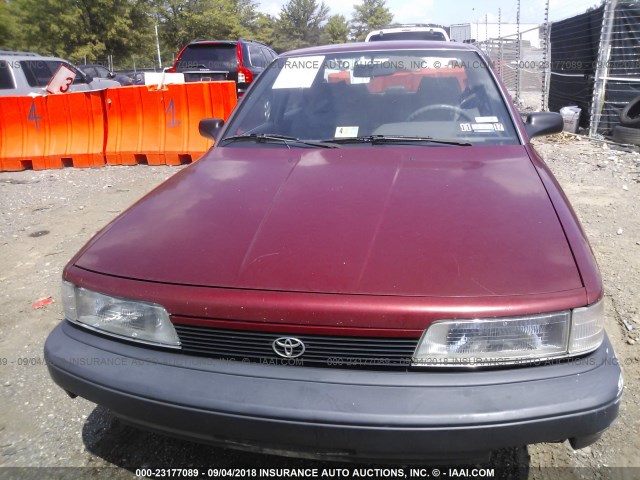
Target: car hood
<point>419,221</point>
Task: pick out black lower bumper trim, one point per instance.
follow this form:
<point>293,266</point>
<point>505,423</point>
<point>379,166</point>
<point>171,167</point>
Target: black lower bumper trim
<point>338,414</point>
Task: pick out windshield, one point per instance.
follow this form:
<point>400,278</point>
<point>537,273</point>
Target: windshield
<point>207,56</point>
<point>358,96</point>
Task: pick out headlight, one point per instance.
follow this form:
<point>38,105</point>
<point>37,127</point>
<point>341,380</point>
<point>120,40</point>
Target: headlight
<point>499,341</point>
<point>134,320</point>
<point>587,328</point>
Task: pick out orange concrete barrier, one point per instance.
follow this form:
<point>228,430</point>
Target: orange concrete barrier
<point>185,105</point>
<point>122,126</point>
<point>154,127</point>
<point>134,130</point>
<point>52,131</point>
<point>23,133</point>
<point>411,80</point>
<point>77,129</point>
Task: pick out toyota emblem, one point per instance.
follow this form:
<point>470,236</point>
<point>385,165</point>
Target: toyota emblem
<point>288,347</point>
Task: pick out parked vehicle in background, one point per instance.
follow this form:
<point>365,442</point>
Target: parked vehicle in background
<point>100,71</point>
<point>409,32</point>
<point>372,263</point>
<point>209,60</point>
<point>23,73</point>
<point>136,77</point>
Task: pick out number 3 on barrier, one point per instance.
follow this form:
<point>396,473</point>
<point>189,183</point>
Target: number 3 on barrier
<point>65,87</point>
<point>61,80</point>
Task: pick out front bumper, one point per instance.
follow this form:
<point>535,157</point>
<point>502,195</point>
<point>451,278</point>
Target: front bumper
<point>339,414</point>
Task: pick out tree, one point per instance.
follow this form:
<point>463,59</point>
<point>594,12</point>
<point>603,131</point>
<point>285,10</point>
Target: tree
<point>594,7</point>
<point>8,27</point>
<point>300,24</point>
<point>90,29</point>
<point>183,21</point>
<point>336,30</point>
<point>370,15</point>
<point>94,29</point>
<point>264,28</point>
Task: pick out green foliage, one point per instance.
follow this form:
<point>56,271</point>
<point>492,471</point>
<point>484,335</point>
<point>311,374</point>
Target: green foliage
<point>300,24</point>
<point>595,6</point>
<point>184,21</point>
<point>336,30</point>
<point>8,27</point>
<point>264,29</point>
<point>370,15</point>
<point>125,29</point>
<point>82,29</point>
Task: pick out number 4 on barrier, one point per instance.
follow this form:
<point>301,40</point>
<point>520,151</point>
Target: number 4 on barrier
<point>33,115</point>
<point>172,110</point>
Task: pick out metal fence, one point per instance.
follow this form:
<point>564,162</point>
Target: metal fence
<point>522,65</point>
<point>617,76</point>
<point>591,60</point>
<point>135,62</point>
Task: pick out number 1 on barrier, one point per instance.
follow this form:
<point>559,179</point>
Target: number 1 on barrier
<point>172,110</point>
<point>33,115</point>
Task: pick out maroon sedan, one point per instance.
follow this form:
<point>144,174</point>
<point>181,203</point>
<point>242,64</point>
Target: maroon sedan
<point>373,263</point>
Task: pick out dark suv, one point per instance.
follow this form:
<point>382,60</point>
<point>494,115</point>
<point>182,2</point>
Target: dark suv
<point>238,60</point>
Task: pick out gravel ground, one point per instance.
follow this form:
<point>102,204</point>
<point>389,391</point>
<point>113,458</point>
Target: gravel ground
<point>46,216</point>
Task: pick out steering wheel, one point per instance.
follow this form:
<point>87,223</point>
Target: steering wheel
<point>441,106</point>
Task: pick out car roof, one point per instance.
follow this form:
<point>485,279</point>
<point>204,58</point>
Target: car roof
<point>228,42</point>
<point>207,42</point>
<point>13,53</point>
<point>411,27</point>
<point>39,58</point>
<point>393,45</point>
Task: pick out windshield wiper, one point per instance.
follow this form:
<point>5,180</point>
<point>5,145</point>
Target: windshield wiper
<point>381,139</point>
<point>274,137</point>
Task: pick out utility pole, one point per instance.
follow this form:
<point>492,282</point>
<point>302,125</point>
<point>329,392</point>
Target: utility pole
<point>518,54</point>
<point>546,54</point>
<point>486,28</point>
<point>500,41</point>
<point>158,46</point>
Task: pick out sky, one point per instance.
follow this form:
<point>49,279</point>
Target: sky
<point>446,12</point>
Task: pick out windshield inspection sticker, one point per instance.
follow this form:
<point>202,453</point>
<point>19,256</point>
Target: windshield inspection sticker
<point>346,132</point>
<point>298,72</point>
<point>482,127</point>
<point>498,127</point>
<point>487,120</point>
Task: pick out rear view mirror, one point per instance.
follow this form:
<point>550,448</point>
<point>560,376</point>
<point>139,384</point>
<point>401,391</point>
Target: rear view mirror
<point>210,127</point>
<point>539,124</point>
<point>369,70</point>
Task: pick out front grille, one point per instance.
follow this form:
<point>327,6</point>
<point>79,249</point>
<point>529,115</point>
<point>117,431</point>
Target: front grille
<point>320,351</point>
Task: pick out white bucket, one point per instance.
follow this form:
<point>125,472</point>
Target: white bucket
<point>571,118</point>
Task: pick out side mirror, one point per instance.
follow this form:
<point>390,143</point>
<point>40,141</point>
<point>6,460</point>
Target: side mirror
<point>538,124</point>
<point>111,75</point>
<point>86,78</point>
<point>210,127</point>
